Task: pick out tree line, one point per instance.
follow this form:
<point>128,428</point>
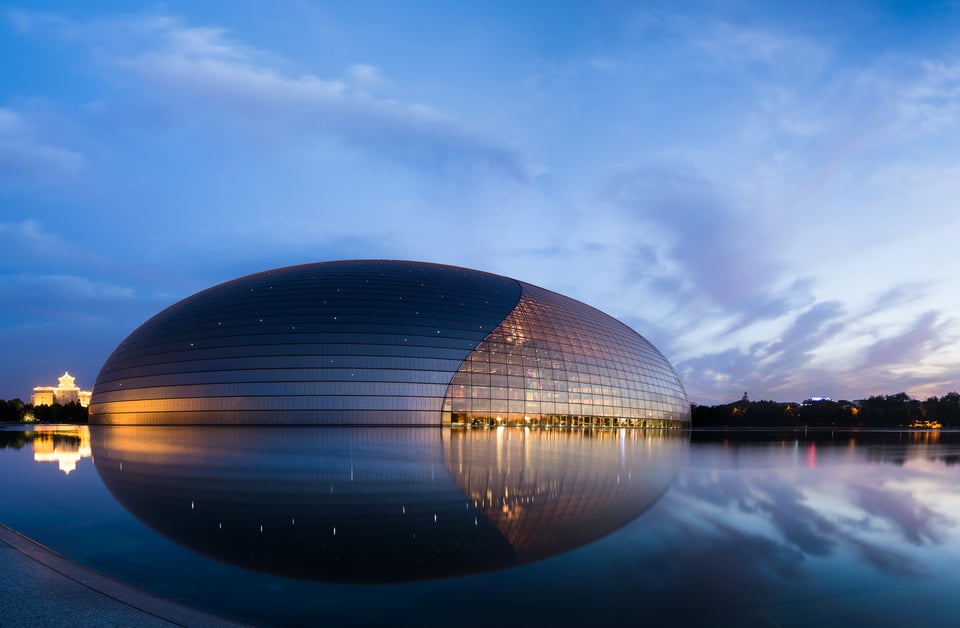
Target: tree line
<point>892,411</point>
<point>16,411</point>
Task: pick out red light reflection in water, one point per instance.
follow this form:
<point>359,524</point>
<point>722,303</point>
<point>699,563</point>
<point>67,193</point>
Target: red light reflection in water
<point>812,456</point>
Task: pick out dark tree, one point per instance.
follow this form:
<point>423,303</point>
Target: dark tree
<point>896,411</point>
<point>72,412</point>
<point>12,411</point>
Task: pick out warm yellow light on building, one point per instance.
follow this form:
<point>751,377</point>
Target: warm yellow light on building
<point>65,446</point>
<point>66,392</point>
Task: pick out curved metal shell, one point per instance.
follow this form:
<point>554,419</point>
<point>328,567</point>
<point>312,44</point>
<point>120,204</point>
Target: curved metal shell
<point>385,343</point>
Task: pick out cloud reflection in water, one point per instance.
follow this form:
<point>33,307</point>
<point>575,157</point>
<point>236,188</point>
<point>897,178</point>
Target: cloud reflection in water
<point>868,531</point>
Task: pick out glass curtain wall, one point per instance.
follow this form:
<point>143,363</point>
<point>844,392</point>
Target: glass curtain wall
<point>556,362</point>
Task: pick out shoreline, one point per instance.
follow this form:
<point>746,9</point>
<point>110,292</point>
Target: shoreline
<point>47,589</point>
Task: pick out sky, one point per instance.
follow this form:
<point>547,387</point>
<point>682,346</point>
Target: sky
<point>766,191</point>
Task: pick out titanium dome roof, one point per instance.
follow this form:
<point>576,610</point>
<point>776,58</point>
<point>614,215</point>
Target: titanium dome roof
<point>380,342</point>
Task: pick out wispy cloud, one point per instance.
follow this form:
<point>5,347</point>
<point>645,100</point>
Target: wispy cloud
<point>31,242</point>
<point>928,101</point>
<point>25,152</point>
<point>802,360</point>
<point>203,73</point>
<point>62,287</point>
<point>31,232</point>
<point>926,335</point>
<point>810,330</point>
<point>729,42</point>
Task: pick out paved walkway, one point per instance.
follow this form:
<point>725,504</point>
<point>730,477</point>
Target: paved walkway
<point>39,587</point>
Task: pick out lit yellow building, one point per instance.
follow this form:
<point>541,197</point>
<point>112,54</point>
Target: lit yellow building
<point>66,392</point>
<point>65,446</point>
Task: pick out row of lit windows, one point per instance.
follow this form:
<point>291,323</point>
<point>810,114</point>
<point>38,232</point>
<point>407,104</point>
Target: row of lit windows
<point>531,410</point>
<point>655,419</point>
<point>605,407</point>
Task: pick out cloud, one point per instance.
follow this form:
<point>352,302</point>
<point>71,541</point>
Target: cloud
<point>927,334</point>
<point>27,242</point>
<point>896,297</point>
<point>25,21</point>
<point>928,101</point>
<point>742,319</point>
<point>30,232</point>
<point>742,316</point>
<point>896,99</point>
<point>367,75</point>
<point>24,152</point>
<point>31,243</point>
<point>809,330</point>
<point>704,247</point>
<point>49,288</point>
<point>697,229</point>
<point>729,42</point>
<point>48,278</point>
<point>799,361</point>
<point>203,74</point>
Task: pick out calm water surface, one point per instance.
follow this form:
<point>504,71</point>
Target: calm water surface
<point>435,527</point>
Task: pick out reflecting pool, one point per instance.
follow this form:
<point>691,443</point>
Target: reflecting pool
<point>341,526</point>
<point>382,504</point>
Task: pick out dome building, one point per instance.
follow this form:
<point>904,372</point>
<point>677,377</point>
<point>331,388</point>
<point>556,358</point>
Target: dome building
<point>375,342</point>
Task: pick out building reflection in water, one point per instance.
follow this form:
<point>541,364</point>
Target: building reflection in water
<point>384,504</point>
<point>65,445</point>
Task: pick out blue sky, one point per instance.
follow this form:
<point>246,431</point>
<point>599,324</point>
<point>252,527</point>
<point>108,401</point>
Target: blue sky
<point>767,191</point>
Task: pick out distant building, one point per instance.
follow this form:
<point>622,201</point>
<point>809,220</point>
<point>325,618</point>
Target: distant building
<point>66,392</point>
